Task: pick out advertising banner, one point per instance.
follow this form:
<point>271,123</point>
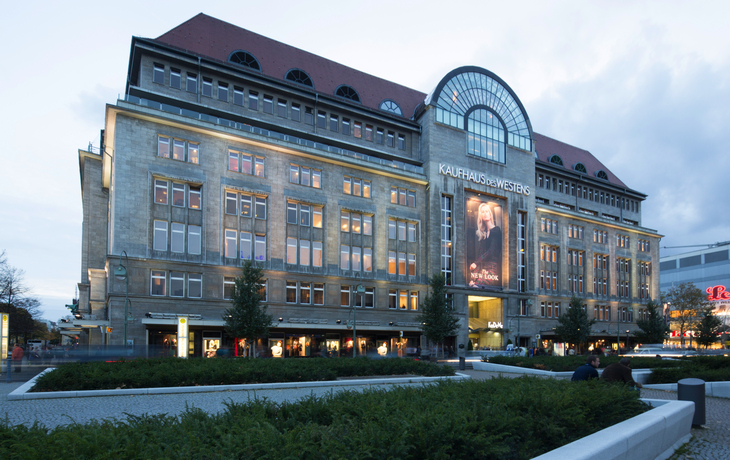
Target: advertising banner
<point>484,241</point>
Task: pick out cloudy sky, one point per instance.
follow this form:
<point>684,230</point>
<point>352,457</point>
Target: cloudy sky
<point>644,86</point>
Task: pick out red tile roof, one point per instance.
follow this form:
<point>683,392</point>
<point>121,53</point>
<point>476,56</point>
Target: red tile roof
<point>547,147</point>
<point>212,38</point>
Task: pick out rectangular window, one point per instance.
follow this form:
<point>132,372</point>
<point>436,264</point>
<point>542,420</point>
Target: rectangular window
<point>402,196</point>
<point>411,265</point>
<point>207,87</point>
<point>253,100</point>
<point>159,238</point>
<point>158,74</point>
<point>281,108</point>
<point>229,284</point>
<point>379,136</point>
<point>258,167</point>
<point>177,237</point>
<point>403,303</point>
<point>260,208</point>
<point>308,115</point>
<point>369,297</point>
<point>246,205</point>
<point>347,185</point>
<point>344,221</point>
<point>356,219</point>
<point>175,80</point>
<point>401,263</point>
<point>321,119</point>
<point>268,104</point>
<point>346,126</point>
<point>193,153</point>
<point>305,293</point>
<point>401,230</point>
<point>345,295</point>
<point>391,229</point>
<point>159,282</point>
<point>291,292</point>
<point>368,133</point>
<point>316,253</point>
<point>231,199</point>
<point>192,83</point>
<point>358,129</point>
<point>291,213</point>
<point>367,225</point>
<point>392,298</point>
<point>316,178</point>
<point>296,112</point>
<point>391,262</point>
<point>344,257</point>
<point>177,284</point>
<point>260,248</point>
<point>401,141</point>
<point>230,245</point>
<point>414,300</point>
<point>163,146</point>
<point>367,259</point>
<point>305,178</point>
<point>411,198</point>
<point>291,250</point>
<point>391,139</point>
<point>246,250</point>
<point>446,238</point>
<point>178,195</point>
<point>318,294</point>
<point>334,123</point>
<point>194,239</point>
<point>294,174</point>
<point>222,91</point>
<point>160,191</point>
<point>178,150</point>
<point>356,253</point>
<point>317,217</point>
<point>304,252</point>
<point>238,96</point>
<point>195,285</point>
<point>356,187</point>
<point>304,215</point>
<point>233,161</point>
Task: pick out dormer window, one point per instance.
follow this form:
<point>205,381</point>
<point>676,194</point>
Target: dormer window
<point>391,106</point>
<point>556,160</point>
<point>602,175</point>
<point>580,167</point>
<point>348,92</point>
<point>245,59</point>
<point>299,76</point>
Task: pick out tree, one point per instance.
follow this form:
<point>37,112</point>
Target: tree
<point>248,318</point>
<point>574,325</point>
<point>437,317</point>
<point>685,302</point>
<point>14,291</point>
<point>653,329</point>
<point>708,327</point>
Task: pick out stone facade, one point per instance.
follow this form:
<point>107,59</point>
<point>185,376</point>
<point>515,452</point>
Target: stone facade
<point>166,194</point>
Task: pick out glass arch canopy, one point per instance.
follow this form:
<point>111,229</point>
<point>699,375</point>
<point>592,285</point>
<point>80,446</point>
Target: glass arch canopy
<point>469,88</point>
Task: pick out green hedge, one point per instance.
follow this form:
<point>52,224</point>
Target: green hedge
<point>497,419</point>
<point>173,372</point>
<point>707,368</point>
<point>570,363</point>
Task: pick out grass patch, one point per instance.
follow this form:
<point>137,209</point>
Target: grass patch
<point>175,372</point>
<point>497,419</point>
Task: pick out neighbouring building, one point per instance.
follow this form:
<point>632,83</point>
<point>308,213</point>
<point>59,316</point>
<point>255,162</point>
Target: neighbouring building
<point>709,270</point>
<point>228,146</point>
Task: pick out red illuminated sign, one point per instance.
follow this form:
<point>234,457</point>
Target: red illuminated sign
<point>717,293</point>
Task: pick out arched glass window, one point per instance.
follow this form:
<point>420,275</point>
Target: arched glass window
<point>299,76</point>
<point>348,92</point>
<point>485,135</point>
<point>245,59</point>
<point>602,175</point>
<point>467,87</point>
<point>580,167</point>
<point>391,106</point>
<point>556,160</point>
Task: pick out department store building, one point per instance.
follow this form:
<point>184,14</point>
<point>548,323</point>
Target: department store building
<point>228,145</point>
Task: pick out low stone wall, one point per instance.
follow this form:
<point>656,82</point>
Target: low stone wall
<point>639,375</point>
<point>652,435</point>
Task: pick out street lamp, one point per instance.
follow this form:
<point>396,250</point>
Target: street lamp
<point>359,290</point>
<point>121,273</point>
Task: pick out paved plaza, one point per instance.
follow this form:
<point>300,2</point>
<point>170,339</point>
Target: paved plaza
<point>711,442</point>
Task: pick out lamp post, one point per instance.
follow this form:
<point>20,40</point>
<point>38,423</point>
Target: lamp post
<point>359,290</point>
<point>618,330</point>
<point>121,273</point>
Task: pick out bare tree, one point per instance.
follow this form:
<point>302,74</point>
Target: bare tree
<point>686,302</point>
<point>14,291</point>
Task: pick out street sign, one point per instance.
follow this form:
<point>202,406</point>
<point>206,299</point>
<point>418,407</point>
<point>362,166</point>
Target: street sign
<point>537,336</point>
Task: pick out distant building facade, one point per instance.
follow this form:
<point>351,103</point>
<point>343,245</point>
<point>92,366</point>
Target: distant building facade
<point>708,269</point>
<point>230,146</point>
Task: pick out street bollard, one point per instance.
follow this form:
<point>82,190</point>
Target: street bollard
<point>693,390</point>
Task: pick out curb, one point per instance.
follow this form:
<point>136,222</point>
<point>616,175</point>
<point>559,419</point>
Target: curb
<point>22,392</point>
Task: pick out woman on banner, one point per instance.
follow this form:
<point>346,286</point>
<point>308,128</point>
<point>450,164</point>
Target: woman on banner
<point>487,249</point>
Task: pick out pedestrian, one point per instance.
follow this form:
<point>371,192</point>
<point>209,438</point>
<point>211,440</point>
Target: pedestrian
<point>588,370</point>
<point>620,372</point>
<point>17,357</point>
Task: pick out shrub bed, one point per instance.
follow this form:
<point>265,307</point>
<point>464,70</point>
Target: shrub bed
<point>498,419</point>
<point>570,363</point>
<point>174,372</point>
<point>707,368</point>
